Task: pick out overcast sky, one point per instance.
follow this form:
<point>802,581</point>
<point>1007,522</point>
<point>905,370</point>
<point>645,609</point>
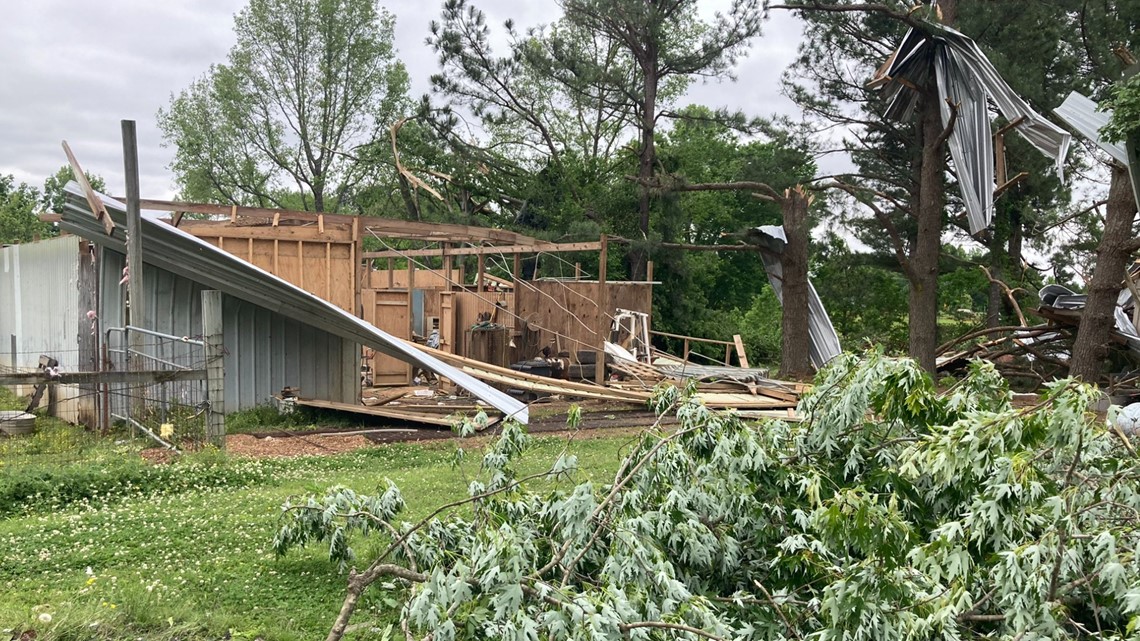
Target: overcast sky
<point>72,69</point>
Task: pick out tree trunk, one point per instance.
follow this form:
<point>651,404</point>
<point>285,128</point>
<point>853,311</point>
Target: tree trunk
<point>795,360</point>
<point>995,305</point>
<point>646,159</point>
<point>1091,347</point>
<point>922,301</point>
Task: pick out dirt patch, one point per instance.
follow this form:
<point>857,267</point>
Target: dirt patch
<point>599,421</point>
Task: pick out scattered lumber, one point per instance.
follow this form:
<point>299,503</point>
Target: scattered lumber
<point>409,415</point>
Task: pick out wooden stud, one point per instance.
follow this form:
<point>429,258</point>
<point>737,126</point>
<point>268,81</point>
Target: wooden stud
<point>249,251</point>
<point>233,215</point>
<point>482,266</point>
<point>357,266</point>
<point>447,261</point>
<point>577,271</point>
<point>602,299</point>
<point>301,263</point>
<point>411,299</point>
<point>321,223</point>
<point>277,219</point>
<point>391,271</point>
<point>649,271</point>
<point>999,159</point>
<point>328,271</point>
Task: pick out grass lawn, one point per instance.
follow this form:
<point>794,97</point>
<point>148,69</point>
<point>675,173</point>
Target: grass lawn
<point>188,557</point>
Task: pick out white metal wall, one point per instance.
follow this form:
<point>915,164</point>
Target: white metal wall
<point>39,305</point>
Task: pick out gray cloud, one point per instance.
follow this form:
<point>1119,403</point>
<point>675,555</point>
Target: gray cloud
<point>72,70</point>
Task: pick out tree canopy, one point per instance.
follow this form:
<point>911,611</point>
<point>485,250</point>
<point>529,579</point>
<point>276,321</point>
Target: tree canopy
<point>892,511</point>
<point>307,86</point>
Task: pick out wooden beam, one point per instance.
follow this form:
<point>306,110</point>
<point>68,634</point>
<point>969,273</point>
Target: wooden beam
<point>93,199</point>
<point>411,300</point>
<point>204,229</point>
<point>1009,126</point>
<point>215,367</point>
<point>550,248</point>
<point>386,227</point>
<point>481,270</point>
<point>740,350</point>
<point>136,293</point>
<point>137,377</point>
<point>1002,188</point>
<point>447,259</point>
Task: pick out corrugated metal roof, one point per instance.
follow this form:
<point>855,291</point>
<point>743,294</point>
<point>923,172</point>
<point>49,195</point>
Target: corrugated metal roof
<point>824,338</point>
<point>181,253</point>
<point>966,76</point>
<point>1081,114</point>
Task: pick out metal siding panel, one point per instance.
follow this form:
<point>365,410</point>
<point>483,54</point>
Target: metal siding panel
<point>41,297</point>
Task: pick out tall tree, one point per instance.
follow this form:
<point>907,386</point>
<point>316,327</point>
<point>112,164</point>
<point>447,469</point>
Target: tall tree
<point>539,143</point>
<point>665,41</point>
<point>306,86</point>
<point>53,196</point>
<point>18,205</point>
<point>1103,27</point>
<point>902,172</point>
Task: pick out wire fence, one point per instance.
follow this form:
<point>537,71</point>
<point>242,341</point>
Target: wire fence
<point>149,393</point>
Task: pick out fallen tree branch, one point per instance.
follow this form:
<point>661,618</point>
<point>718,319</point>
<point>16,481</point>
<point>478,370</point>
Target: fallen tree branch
<point>1008,292</point>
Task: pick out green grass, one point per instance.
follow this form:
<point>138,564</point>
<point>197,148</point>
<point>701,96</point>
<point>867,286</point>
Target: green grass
<point>195,562</point>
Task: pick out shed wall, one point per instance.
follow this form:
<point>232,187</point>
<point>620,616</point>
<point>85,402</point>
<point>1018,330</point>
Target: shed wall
<point>265,351</point>
<point>39,305</point>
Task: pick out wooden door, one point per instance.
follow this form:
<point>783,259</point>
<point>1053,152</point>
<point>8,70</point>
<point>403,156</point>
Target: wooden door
<point>389,312</point>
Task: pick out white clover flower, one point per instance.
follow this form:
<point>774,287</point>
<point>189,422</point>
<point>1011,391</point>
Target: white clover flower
<point>44,617</point>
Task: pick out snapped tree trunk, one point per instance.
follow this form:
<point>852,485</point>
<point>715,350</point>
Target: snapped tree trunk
<point>795,356</point>
<point>1091,347</point>
<point>922,301</point>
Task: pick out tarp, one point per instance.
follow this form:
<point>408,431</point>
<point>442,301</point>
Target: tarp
<point>182,253</point>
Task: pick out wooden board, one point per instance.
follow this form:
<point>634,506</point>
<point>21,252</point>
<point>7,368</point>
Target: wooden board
<point>566,312</point>
<point>428,418</point>
<point>424,279</point>
<point>322,263</point>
